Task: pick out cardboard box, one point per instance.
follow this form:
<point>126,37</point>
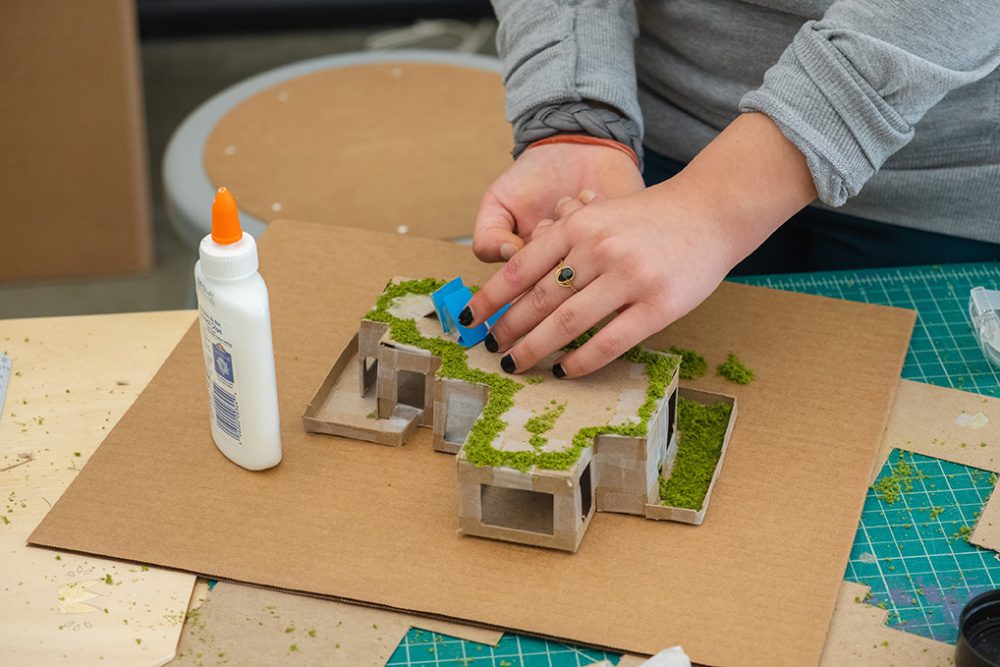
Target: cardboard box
<point>73,175</point>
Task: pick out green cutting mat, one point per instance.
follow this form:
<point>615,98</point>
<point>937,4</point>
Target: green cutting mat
<point>943,350</point>
<point>913,552</point>
<point>915,565</point>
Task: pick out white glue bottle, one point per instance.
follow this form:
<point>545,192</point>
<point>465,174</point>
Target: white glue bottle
<point>236,340</point>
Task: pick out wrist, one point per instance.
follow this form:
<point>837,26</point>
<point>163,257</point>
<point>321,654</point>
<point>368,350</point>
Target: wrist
<point>745,184</point>
<point>686,196</point>
<point>587,140</point>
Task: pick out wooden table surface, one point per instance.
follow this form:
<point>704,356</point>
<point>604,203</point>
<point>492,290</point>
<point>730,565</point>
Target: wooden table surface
<point>72,379</point>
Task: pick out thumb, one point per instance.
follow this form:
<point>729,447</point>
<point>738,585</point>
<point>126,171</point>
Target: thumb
<point>493,237</point>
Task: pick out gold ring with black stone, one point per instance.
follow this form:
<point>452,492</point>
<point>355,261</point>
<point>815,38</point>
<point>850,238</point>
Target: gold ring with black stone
<point>565,275</point>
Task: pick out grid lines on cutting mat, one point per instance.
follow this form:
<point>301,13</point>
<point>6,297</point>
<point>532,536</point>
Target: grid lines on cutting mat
<point>913,551</point>
<point>421,648</point>
<point>943,350</point>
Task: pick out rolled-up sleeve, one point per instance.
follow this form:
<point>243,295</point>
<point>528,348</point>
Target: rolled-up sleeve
<point>850,87</point>
<point>556,52</point>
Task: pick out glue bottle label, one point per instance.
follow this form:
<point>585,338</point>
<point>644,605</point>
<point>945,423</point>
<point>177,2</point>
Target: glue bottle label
<point>221,375</point>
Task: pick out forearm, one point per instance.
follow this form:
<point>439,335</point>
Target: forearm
<point>850,88</point>
<point>744,184</point>
<point>556,51</point>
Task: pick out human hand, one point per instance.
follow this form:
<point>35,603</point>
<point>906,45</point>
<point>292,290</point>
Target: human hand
<point>528,191</point>
<point>650,256</point>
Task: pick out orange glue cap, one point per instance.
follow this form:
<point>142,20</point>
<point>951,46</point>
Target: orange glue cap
<point>225,218</point>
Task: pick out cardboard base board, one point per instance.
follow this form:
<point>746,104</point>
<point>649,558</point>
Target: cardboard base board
<point>376,524</point>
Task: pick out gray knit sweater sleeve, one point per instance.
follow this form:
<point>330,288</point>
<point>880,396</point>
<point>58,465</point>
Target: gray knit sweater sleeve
<point>564,51</point>
<point>851,86</point>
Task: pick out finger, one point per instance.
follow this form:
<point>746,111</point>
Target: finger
<point>534,306</point>
<point>567,205</point>
<point>542,227</point>
<point>572,318</point>
<point>632,326</point>
<point>564,207</point>
<point>519,274</point>
<point>493,237</point>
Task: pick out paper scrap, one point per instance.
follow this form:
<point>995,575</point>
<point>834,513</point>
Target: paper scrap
<point>977,420</point>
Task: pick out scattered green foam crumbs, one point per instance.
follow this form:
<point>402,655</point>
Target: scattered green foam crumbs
<point>693,365</point>
<point>108,580</point>
<point>899,480</point>
<point>701,433</point>
<point>293,648</point>
<point>541,423</point>
<point>478,446</point>
<point>734,370</point>
<point>965,532</point>
<point>936,511</point>
<point>533,379</point>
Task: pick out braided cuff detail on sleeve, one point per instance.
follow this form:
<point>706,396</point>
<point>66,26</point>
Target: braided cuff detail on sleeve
<point>578,117</point>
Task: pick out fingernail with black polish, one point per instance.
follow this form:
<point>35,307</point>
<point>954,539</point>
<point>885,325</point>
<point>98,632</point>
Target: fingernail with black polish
<point>465,317</point>
<point>490,343</point>
<point>507,364</point>
<point>559,371</point>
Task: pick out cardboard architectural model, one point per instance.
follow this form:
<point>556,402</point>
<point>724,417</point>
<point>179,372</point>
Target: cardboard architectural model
<point>536,456</point>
